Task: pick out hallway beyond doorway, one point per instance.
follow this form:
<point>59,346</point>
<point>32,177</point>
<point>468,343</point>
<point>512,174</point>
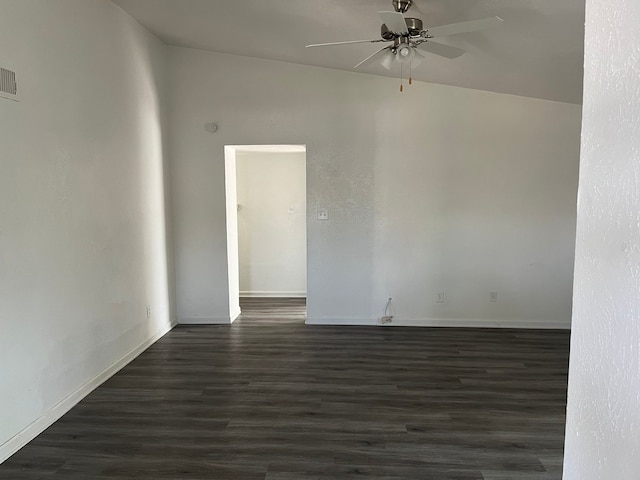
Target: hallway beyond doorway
<point>282,310</point>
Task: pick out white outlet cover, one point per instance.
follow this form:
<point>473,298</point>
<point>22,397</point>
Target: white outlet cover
<point>323,214</point>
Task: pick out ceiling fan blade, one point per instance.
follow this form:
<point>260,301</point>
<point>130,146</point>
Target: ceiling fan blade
<point>372,57</point>
<point>344,43</point>
<point>446,51</point>
<point>464,27</point>
<point>394,22</point>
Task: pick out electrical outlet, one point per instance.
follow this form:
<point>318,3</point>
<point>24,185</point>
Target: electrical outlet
<point>323,214</point>
<point>386,319</point>
<point>493,297</point>
<point>439,297</point>
<point>148,311</point>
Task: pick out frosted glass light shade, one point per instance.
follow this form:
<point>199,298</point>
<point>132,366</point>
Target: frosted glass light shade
<point>418,58</point>
<point>387,60</point>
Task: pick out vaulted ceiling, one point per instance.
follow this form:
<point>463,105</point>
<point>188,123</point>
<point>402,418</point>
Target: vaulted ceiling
<point>536,52</point>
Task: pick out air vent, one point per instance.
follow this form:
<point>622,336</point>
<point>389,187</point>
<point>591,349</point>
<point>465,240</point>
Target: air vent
<point>8,84</point>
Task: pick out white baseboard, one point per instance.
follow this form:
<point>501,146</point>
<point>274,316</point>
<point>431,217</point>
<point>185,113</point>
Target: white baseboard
<point>340,321</point>
<point>205,320</point>
<point>269,294</point>
<point>30,432</point>
<point>442,322</point>
<point>235,313</point>
<point>476,323</point>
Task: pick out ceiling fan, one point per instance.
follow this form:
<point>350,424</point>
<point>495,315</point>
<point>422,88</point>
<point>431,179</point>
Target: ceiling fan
<point>407,34</point>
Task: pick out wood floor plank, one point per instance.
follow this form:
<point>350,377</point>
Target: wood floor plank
<point>270,398</point>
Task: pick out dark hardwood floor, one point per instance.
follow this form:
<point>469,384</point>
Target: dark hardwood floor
<point>270,398</point>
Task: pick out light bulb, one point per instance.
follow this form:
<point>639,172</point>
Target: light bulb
<point>405,53</point>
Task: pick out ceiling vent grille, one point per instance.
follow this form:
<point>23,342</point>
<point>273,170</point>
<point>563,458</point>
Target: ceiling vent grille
<point>8,84</point>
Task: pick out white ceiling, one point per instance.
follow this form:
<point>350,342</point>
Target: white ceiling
<point>537,52</point>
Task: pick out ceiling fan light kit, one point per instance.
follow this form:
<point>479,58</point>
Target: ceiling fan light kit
<point>404,53</point>
<point>407,34</point>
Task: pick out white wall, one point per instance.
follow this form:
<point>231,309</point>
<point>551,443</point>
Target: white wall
<point>272,227</point>
<point>603,412</point>
<point>436,189</point>
<point>82,195</point>
<point>233,270</point>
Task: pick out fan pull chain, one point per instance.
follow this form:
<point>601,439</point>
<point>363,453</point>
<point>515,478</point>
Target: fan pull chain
<point>401,86</point>
<point>410,78</point>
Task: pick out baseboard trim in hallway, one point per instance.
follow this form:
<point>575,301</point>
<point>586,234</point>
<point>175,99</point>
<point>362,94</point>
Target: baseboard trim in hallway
<point>272,294</point>
<point>25,436</point>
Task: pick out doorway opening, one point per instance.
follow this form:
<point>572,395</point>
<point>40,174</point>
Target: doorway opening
<point>266,232</point>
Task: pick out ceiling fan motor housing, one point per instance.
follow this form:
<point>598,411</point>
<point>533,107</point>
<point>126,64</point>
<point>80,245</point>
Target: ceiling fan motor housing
<point>414,25</point>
